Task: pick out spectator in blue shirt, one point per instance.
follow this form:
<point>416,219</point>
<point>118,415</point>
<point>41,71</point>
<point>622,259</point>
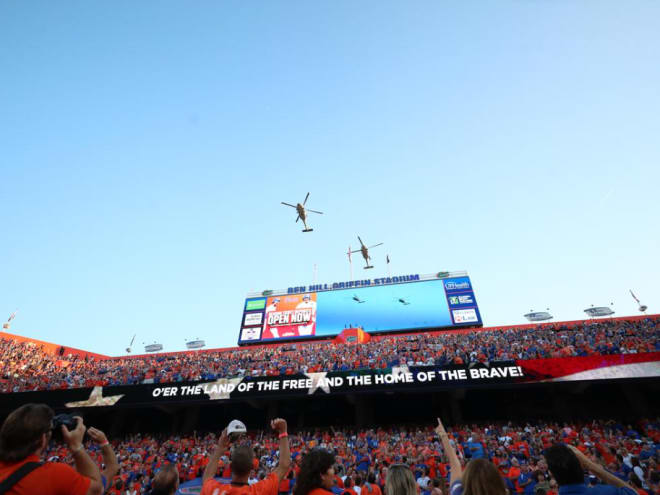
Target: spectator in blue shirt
<point>475,448</point>
<point>567,465</point>
<point>525,479</point>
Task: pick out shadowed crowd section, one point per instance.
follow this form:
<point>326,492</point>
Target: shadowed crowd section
<point>515,448</point>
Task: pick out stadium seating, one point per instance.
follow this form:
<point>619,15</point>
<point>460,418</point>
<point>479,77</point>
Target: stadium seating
<point>26,366</point>
<point>508,445</point>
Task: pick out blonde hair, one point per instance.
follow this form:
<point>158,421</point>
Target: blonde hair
<point>481,477</point>
<point>400,481</point>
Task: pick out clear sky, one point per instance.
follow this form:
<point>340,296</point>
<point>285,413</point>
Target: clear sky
<point>146,146</point>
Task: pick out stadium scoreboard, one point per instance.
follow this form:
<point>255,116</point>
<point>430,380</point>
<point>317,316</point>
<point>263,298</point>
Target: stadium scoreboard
<point>379,305</point>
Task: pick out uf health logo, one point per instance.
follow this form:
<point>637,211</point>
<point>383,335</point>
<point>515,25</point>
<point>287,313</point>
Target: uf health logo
<point>461,284</point>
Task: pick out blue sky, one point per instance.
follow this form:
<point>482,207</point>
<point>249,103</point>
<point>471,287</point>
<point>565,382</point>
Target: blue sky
<point>381,309</point>
<point>146,148</point>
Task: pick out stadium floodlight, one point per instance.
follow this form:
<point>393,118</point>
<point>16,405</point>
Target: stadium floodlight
<point>539,315</point>
<point>195,344</point>
<point>599,311</point>
<point>153,347</point>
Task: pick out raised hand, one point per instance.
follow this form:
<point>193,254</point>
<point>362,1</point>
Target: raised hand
<point>279,425</point>
<point>97,435</point>
<point>74,438</point>
<point>440,429</point>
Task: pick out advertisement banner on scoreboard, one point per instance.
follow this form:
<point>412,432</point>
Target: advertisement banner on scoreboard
<point>290,316</point>
<point>427,304</point>
<point>396,379</point>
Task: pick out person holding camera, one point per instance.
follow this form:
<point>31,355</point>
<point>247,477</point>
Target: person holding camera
<point>242,459</point>
<point>24,436</point>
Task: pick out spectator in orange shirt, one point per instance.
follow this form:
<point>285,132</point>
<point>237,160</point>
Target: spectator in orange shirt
<point>24,436</point>
<point>348,487</point>
<point>241,465</point>
<point>317,474</point>
<point>370,487</point>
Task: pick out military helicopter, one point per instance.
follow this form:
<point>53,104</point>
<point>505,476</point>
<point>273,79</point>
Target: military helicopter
<point>642,307</point>
<point>128,349</point>
<point>358,300</point>
<point>302,212</point>
<point>365,252</point>
<point>402,301</point>
<point>8,323</point>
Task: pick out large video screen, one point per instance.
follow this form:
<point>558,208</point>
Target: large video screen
<point>438,303</point>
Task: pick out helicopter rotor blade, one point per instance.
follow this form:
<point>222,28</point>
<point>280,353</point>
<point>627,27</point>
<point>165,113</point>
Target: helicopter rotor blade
<point>362,243</point>
<point>314,211</point>
<point>292,206</point>
<point>634,297</point>
<point>375,245</point>
<point>305,199</point>
<point>297,218</point>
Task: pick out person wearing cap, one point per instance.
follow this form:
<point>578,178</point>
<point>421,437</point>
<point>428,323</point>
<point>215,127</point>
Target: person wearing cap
<point>242,457</point>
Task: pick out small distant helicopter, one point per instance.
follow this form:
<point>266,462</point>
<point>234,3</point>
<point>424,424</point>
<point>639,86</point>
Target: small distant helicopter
<point>8,323</point>
<point>358,300</point>
<point>128,349</point>
<point>302,212</point>
<point>365,252</point>
<point>402,301</point>
<point>642,307</point>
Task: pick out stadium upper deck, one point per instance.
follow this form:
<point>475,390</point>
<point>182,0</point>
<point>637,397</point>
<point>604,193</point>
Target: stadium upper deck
<point>27,365</point>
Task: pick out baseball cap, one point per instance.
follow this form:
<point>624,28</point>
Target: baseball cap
<point>236,426</point>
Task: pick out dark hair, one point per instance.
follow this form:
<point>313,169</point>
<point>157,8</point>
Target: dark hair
<point>348,482</point>
<point>436,482</point>
<point>564,465</point>
<point>481,477</point>
<point>358,481</point>
<point>634,479</point>
<point>313,465</point>
<point>166,481</point>
<point>241,460</point>
<point>371,477</point>
<point>22,431</point>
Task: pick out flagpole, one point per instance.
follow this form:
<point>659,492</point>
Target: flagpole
<point>350,262</point>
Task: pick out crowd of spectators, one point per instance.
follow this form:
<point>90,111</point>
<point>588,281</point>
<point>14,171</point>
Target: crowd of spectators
<point>26,367</point>
<point>631,452</point>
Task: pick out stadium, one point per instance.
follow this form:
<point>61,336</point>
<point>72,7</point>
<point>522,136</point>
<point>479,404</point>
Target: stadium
<point>361,361</point>
<point>330,247</point>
